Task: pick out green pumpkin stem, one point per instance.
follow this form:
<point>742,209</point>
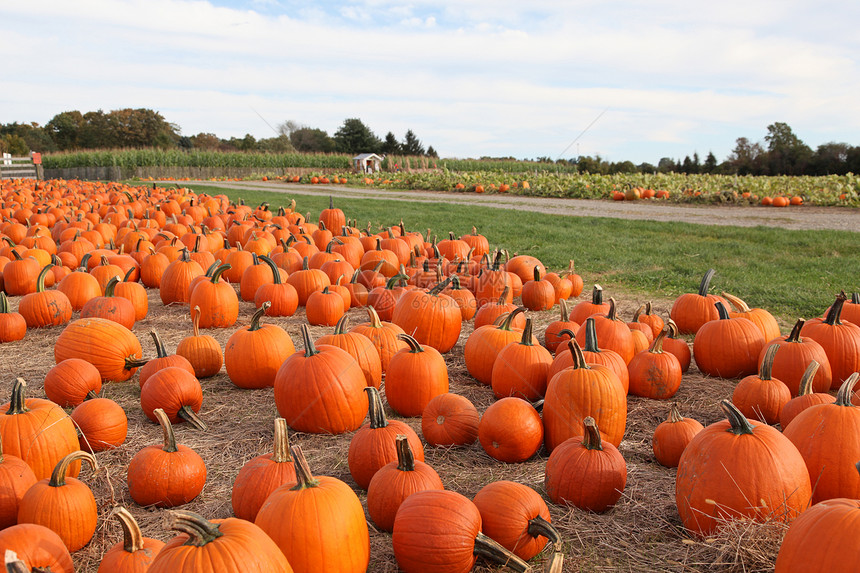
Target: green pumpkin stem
<point>281,450</point>
<point>721,309</point>
<point>494,552</point>
<point>58,476</point>
<point>216,276</point>
<point>414,345</point>
<point>536,273</point>
<point>4,303</point>
<point>503,298</point>
<point>111,286</point>
<point>591,440</point>
<point>200,531</point>
<point>539,526</point>
<point>765,371</point>
<point>40,280</point>
<point>375,410</point>
<point>843,395</point>
<point>255,319</point>
<point>18,402</point>
<point>276,274</point>
<point>509,319</point>
<point>705,285</point>
<point>127,277</point>
<point>340,327</point>
<point>304,478</point>
<point>440,287</point>
<point>405,457</point>
<point>739,423</point>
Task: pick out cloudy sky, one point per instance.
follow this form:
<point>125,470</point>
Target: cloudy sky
<point>642,80</point>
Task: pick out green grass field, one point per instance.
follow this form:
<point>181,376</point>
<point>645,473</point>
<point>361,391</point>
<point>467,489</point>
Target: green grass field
<point>790,273</point>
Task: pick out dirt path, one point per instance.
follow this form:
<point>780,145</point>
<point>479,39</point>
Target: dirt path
<point>806,217</point>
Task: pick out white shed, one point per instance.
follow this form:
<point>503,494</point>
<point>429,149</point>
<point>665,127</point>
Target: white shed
<point>367,163</point>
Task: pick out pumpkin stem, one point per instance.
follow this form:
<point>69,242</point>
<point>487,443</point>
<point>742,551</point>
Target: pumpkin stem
<point>835,310</point>
<point>169,440</point>
<point>195,320</point>
<point>414,345</point>
<point>127,277</point>
<point>304,478</point>
<point>216,276</point>
<point>509,319</point>
<point>706,282</point>
<point>539,526</point>
<point>132,538</point>
<point>590,335</point>
<point>493,551</point>
<point>597,295</point>
<point>340,327</point>
<point>766,368</point>
<point>843,395</point>
<point>199,530</point>
<point>40,280</point>
<point>160,351</point>
<point>565,313</point>
<point>405,457</point>
<point>657,345</point>
<point>526,340</point>
<point>58,476</point>
<point>674,414</point>
<point>673,329</point>
<point>12,564</point>
<point>18,402</point>
<point>592,439</point>
<point>807,378</point>
<point>556,563</point>
<point>308,343</point>
<point>739,305</point>
<point>578,357</point>
<point>439,287</point>
<point>721,309</point>
<point>536,273</point>
<point>276,274</point>
<point>187,414</point>
<point>255,319</point>
<point>375,409</point>
<point>739,423</point>
<point>504,296</point>
<point>281,452</point>
<point>4,303</point>
<point>794,335</point>
<point>638,312</point>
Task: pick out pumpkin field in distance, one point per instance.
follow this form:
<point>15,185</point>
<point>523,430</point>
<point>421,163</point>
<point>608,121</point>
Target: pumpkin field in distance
<point>374,383</point>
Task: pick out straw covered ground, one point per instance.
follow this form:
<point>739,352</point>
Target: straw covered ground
<point>642,533</point>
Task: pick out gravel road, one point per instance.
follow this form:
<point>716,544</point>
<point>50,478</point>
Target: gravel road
<point>804,217</point>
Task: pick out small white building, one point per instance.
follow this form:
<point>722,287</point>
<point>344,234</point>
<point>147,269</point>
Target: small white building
<point>367,163</point>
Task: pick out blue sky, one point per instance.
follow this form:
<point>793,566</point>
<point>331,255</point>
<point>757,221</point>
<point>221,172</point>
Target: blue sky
<point>471,77</point>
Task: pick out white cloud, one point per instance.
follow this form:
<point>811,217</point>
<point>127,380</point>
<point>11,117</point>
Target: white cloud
<point>475,77</point>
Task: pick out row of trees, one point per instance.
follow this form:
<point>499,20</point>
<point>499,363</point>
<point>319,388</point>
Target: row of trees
<point>781,153</point>
<point>136,128</point>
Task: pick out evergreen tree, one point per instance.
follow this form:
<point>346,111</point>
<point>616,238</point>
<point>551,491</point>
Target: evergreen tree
<point>432,152</point>
<point>390,145</point>
<point>411,144</point>
<point>355,137</point>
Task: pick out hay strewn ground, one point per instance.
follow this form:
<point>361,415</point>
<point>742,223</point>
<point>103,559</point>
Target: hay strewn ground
<point>641,534</point>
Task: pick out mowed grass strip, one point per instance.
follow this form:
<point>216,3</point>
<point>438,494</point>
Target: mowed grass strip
<point>790,273</point>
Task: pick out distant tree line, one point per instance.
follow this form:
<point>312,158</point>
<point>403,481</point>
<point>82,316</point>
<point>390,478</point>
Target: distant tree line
<point>138,128</point>
<point>781,152</point>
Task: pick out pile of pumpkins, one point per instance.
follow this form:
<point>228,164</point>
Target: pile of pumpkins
<point>103,245</point>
